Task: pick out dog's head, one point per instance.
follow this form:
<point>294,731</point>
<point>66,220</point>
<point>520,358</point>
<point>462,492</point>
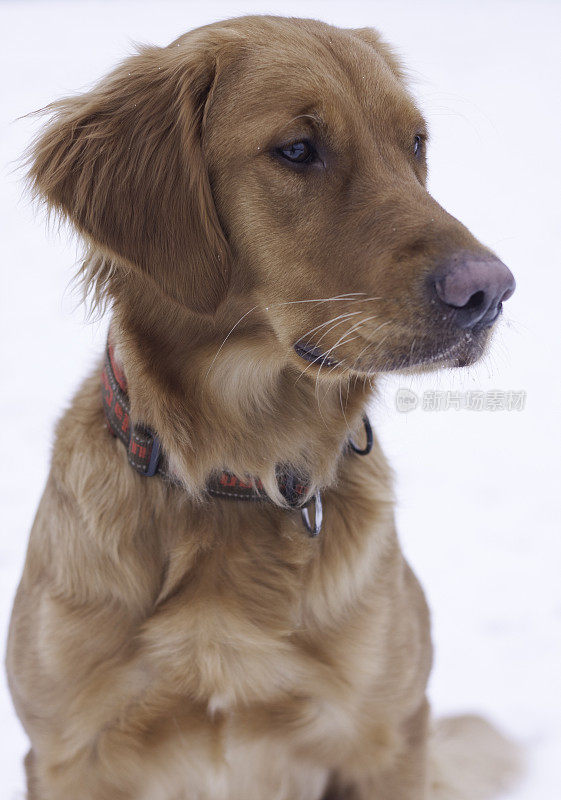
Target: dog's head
<point>275,166</point>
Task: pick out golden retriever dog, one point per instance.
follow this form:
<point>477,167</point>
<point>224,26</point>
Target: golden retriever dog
<point>214,604</point>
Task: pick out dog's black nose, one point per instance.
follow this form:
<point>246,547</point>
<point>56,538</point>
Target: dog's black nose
<point>474,287</point>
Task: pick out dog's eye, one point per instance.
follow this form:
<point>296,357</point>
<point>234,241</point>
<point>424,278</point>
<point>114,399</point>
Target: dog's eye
<point>300,152</point>
<point>417,144</point>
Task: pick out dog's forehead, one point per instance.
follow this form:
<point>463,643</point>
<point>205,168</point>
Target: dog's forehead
<point>326,71</point>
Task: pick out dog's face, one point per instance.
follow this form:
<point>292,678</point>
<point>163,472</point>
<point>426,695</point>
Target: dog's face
<point>321,185</point>
<point>283,161</point>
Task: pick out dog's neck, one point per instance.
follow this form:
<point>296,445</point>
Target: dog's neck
<point>233,403</point>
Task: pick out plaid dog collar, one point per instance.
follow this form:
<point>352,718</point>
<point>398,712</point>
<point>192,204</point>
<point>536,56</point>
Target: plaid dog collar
<point>146,457</point>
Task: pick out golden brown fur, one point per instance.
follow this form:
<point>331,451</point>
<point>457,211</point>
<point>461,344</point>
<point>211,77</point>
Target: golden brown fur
<point>164,644</point>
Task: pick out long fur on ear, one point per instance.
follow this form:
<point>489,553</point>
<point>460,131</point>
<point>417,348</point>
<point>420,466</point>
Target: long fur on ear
<point>124,163</point>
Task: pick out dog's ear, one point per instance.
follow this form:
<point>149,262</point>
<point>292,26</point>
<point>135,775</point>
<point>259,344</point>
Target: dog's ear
<point>124,162</point>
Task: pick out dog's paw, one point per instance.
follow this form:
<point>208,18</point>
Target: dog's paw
<point>469,759</point>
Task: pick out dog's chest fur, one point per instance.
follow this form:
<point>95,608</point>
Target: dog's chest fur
<point>252,639</point>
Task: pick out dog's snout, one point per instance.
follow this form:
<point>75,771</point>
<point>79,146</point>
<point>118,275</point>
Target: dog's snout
<point>474,287</point>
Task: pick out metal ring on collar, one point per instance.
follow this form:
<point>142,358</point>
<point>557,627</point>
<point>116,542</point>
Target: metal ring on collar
<point>369,439</point>
<point>314,529</point>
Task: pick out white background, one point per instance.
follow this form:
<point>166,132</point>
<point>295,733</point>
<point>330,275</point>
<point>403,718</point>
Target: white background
<point>478,492</point>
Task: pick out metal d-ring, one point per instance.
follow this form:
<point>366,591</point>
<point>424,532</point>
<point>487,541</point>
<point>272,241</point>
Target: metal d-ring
<point>314,529</point>
<point>369,439</point>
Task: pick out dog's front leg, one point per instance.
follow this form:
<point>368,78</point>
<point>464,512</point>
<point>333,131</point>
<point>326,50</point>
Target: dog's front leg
<point>405,778</point>
<point>75,779</point>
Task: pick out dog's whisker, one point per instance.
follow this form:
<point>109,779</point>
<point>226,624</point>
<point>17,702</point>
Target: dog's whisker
<point>339,364</point>
<point>347,333</point>
<point>353,296</point>
<point>370,343</point>
<point>411,351</point>
<point>325,333</point>
<point>321,357</point>
<point>323,324</point>
<point>348,389</point>
<point>342,340</point>
<point>232,329</point>
<point>348,295</point>
<point>316,393</point>
<point>346,341</point>
<point>342,409</point>
<point>376,345</point>
<point>324,358</point>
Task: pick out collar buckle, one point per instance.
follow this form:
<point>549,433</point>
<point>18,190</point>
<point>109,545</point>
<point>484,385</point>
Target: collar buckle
<point>143,450</point>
